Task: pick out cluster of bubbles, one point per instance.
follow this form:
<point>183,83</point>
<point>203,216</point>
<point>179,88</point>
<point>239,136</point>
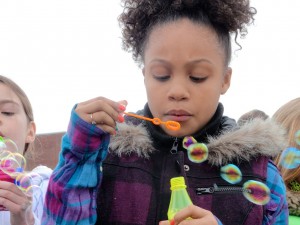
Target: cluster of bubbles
<point>254,191</point>
<point>290,157</point>
<point>12,169</point>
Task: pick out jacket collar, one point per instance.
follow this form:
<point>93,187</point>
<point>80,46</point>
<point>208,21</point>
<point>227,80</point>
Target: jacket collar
<point>214,127</point>
<point>225,141</point>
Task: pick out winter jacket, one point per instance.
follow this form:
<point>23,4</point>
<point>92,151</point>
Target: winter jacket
<point>135,187</point>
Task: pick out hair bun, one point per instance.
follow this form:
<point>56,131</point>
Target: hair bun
<point>139,16</point>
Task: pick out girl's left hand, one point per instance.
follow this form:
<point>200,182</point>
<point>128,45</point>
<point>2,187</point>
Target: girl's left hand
<point>15,201</point>
<point>192,215</point>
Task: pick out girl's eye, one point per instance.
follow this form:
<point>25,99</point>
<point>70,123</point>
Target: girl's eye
<point>161,77</point>
<point>8,113</point>
<point>198,79</point>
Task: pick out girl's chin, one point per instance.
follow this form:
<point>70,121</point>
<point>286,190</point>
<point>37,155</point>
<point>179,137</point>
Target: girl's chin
<point>182,132</point>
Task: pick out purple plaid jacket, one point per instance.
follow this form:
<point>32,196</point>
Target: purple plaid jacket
<point>135,187</point>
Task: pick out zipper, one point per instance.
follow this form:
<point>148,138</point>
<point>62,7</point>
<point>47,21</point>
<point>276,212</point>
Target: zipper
<point>174,148</point>
<point>215,188</point>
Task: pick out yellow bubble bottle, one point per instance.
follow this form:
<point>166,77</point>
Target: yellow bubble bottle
<point>179,197</point>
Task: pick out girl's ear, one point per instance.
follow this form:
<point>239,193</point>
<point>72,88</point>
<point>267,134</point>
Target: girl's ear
<point>31,131</point>
<point>226,81</point>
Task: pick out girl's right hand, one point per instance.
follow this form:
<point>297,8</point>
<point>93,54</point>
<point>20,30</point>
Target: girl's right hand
<point>17,203</point>
<point>192,215</point>
<point>102,112</point>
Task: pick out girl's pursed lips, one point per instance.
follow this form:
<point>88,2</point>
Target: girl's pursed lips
<point>178,113</point>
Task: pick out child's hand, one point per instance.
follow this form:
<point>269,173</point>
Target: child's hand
<point>102,112</point>
<point>192,215</point>
<point>17,203</point>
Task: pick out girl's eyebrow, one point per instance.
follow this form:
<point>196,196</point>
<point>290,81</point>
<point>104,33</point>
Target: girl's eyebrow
<point>200,61</point>
<point>190,62</point>
<point>157,60</point>
<point>6,101</point>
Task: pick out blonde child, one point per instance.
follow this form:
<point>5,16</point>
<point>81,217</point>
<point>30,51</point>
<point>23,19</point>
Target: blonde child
<point>288,116</point>
<point>17,124</point>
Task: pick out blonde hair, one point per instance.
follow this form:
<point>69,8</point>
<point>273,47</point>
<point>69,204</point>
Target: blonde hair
<point>23,98</point>
<point>288,116</point>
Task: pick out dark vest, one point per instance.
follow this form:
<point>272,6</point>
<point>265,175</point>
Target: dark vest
<point>136,191</point>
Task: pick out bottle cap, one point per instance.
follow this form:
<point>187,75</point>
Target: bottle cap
<point>177,182</point>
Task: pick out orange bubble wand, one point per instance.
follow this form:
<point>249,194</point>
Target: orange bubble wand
<point>170,124</point>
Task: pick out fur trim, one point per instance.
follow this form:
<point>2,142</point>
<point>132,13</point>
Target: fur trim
<point>293,199</point>
<point>258,137</point>
<point>255,138</point>
<point>131,139</point>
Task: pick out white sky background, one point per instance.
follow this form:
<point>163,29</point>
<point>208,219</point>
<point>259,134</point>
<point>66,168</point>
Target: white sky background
<point>62,52</point>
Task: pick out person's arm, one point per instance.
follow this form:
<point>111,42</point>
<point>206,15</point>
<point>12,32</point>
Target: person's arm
<point>41,182</point>
<point>276,210</point>
<point>72,189</point>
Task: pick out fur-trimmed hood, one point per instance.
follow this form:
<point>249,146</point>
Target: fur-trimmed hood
<point>256,138</point>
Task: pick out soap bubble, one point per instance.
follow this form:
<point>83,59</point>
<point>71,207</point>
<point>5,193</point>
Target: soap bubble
<point>256,192</point>
<point>231,173</point>
<point>197,153</point>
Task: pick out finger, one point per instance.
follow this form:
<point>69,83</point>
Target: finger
<point>103,117</point>
<point>14,207</point>
<point>164,222</point>
<point>88,111</point>
<point>111,108</point>
<point>14,200</point>
<point>191,211</point>
<point>203,221</point>
<point>108,129</point>
<point>193,215</point>
<point>117,106</point>
<point>11,187</point>
<point>92,100</point>
<point>105,122</point>
<point>123,103</point>
<point>96,104</point>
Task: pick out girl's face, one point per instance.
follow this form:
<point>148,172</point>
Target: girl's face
<point>184,74</point>
<point>13,120</point>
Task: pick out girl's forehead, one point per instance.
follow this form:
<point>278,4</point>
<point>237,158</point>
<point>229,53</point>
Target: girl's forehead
<point>182,31</point>
<point>183,27</point>
<point>184,39</point>
<point>7,95</point>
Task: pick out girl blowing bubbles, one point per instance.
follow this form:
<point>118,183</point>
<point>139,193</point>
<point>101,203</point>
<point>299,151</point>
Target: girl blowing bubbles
<point>288,116</point>
<point>184,50</point>
<point>17,124</point>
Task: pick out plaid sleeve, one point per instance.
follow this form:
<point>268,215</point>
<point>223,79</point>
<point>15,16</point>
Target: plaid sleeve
<point>276,211</point>
<point>71,194</point>
<point>218,221</point>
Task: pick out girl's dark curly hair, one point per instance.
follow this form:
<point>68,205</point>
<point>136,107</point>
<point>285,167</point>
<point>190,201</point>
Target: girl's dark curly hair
<point>226,17</point>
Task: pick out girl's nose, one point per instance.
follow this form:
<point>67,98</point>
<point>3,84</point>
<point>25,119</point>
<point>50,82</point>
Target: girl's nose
<point>178,92</point>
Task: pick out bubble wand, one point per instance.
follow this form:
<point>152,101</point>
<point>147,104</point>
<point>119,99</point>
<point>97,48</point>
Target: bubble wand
<point>170,124</point>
